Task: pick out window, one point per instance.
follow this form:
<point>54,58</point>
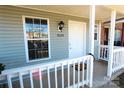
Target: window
<point>36,31</point>
<point>95,36</point>
<point>96,32</point>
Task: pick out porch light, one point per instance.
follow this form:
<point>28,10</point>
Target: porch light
<point>60,26</point>
<point>2,67</point>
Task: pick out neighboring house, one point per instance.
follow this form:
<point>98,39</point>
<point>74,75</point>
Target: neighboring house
<point>119,32</point>
<point>41,39</point>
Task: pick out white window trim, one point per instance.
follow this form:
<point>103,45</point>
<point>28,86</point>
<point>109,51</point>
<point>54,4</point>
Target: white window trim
<point>26,44</point>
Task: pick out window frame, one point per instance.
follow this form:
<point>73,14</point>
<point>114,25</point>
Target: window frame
<point>96,32</point>
<point>26,40</point>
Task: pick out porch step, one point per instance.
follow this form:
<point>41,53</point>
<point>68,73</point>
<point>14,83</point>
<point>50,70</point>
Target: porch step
<point>117,73</point>
<point>99,83</point>
<point>107,83</point>
<point>110,85</point>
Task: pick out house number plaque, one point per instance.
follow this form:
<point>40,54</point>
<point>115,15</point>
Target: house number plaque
<point>60,35</point>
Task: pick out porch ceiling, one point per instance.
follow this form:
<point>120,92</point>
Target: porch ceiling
<point>119,8</point>
<point>102,12</point>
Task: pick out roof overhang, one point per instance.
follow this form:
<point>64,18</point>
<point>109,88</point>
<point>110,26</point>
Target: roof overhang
<point>103,12</point>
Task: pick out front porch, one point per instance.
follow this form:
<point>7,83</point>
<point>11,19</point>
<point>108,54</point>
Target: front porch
<point>80,71</point>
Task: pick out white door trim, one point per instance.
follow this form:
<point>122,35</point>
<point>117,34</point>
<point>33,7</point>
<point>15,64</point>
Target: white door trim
<point>84,37</point>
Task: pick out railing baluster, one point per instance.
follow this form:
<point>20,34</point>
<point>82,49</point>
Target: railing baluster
<point>113,61</point>
<point>9,81</point>
<point>105,53</point>
<point>116,59</point>
<point>87,72</point>
<point>40,77</point>
<point>99,52</point>
<point>68,74</point>
<point>48,74</point>
<point>90,71</point>
<point>78,73</point>
<point>102,52</point>
<point>83,66</point>
<point>62,75</point>
<point>119,59</point>
<point>21,80</point>
<point>31,79</point>
<point>56,83</point>
<point>74,74</point>
<point>122,58</point>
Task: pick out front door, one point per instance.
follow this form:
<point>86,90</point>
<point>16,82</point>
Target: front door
<point>77,39</point>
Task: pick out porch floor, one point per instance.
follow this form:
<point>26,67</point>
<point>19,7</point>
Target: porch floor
<point>100,73</point>
<point>100,79</point>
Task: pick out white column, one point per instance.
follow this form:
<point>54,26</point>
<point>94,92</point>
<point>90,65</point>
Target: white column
<point>91,28</point>
<point>111,42</point>
<point>91,73</point>
<point>99,39</point>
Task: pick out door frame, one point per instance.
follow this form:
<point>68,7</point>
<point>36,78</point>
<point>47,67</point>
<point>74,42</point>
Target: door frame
<point>84,37</point>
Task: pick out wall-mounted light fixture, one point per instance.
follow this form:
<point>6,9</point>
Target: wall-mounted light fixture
<point>60,26</point>
<point>2,67</point>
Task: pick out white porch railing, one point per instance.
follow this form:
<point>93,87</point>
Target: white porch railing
<point>83,77</point>
<point>118,59</point>
<point>103,52</point>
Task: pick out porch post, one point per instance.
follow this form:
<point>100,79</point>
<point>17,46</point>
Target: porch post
<point>91,29</point>
<point>99,38</point>
<point>111,42</point>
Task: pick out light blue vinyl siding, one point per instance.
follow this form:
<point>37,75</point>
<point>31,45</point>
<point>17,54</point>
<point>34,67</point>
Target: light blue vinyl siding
<point>12,47</point>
